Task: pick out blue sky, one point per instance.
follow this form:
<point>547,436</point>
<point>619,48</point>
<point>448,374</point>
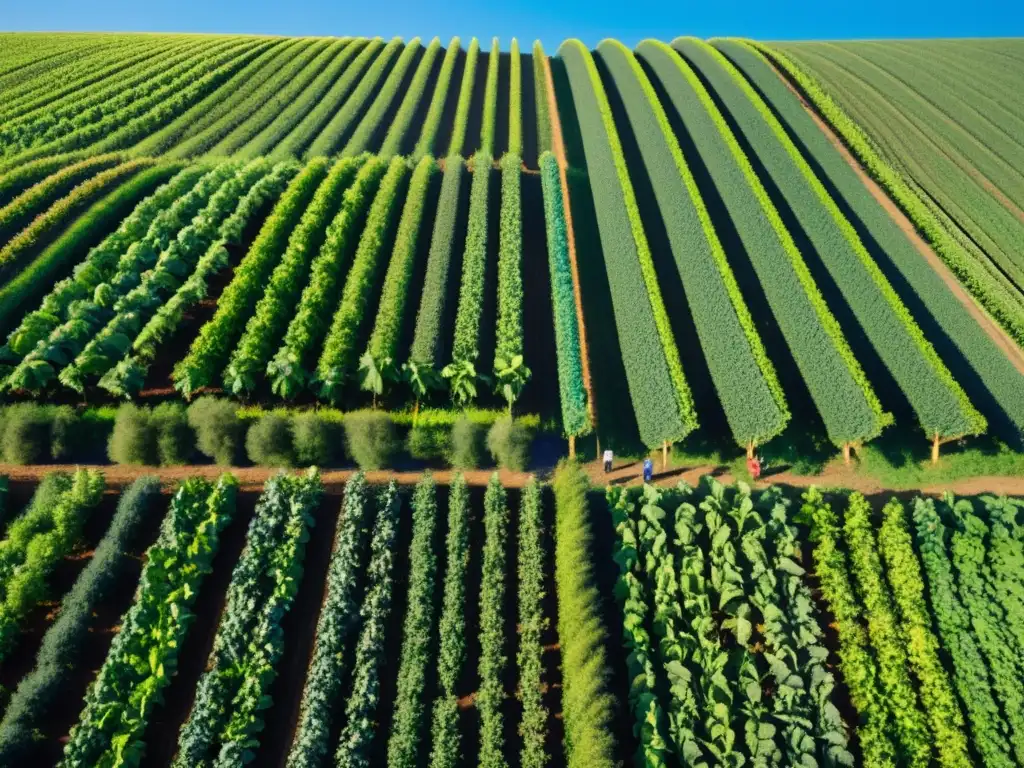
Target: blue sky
<point>549,20</point>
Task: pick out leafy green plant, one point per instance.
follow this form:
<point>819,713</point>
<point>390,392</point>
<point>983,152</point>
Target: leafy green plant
<point>428,140</point>
<point>371,439</point>
<point>220,434</point>
<point>268,442</point>
<point>396,133</point>
<point>318,440</point>
<point>508,441</point>
<point>531,620</point>
<point>510,371</point>
<point>492,627</point>
<point>467,444</point>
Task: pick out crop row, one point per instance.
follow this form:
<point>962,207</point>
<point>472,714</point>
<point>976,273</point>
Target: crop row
<point>395,135</point>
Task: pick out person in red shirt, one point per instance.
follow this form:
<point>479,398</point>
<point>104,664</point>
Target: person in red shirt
<point>754,467</point>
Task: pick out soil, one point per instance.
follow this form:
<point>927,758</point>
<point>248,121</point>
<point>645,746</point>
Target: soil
<point>993,329</point>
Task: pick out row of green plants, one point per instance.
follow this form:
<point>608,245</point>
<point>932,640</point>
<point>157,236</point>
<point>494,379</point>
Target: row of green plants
<point>491,666</point>
<point>942,408</point>
<point>510,371</point>
<point>142,660</point>
<point>662,401</point>
<point>371,123</point>
<point>531,562</point>
<point>457,142</point>
<point>395,137</point>
<point>427,143</point>
<point>337,130</point>
<point>60,653</point>
<point>227,715</point>
<point>515,101</point>
<point>289,371</point>
<point>968,271</point>
<point>37,540</point>
<point>837,384</point>
<point>542,106</point>
<point>999,379</point>
<point>744,376</point>
<point>212,348</point>
<point>490,106</point>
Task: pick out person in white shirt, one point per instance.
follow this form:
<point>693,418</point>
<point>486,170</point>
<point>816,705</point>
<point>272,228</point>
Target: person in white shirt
<point>608,457</point>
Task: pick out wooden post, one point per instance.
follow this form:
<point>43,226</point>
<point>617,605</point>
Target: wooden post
<point>572,446</point>
<point>750,449</point>
<point>846,452</point>
<point>597,437</point>
<point>935,449</point>
<point>664,455</point>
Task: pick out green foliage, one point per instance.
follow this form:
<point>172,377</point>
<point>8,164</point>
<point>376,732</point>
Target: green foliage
<point>571,384</point>
<point>233,692</point>
<point>211,348</point>
<point>360,710</point>
<point>395,137</point>
<point>508,441</point>
<point>371,123</point>
<point>428,442</point>
<point>467,444</point>
<point>510,372</point>
<point>175,438</point>
<point>409,723</point>
<point>451,654</point>
<point>317,440</point>
<point>540,96</point>
<point>515,101</point>
<point>492,627</point>
<point>337,129</point>
<point>289,371</point>
<point>427,350</point>
<point>36,542</point>
<point>490,106</point>
<point>144,655</point>
<point>837,383</point>
<point>338,360</point>
<point>744,377</point>
<point>339,619</point>
<point>220,434</point>
<point>457,142</point>
<point>371,439</point>
<point>382,351</point>
<point>940,403</point>
<point>268,442</point>
<point>531,620</point>
<point>270,321</point>
<point>661,397</point>
<point>25,433</point>
<point>427,144</point>
<point>60,652</point>
<point>133,440</point>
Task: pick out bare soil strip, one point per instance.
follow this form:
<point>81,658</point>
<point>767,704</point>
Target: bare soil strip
<point>993,329</point>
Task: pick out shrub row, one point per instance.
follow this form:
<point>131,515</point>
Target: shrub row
<point>395,136</point>
<point>510,371</point>
<point>233,692</point>
<point>432,121</point>
<point>290,370</point>
<point>379,364</point>
<point>296,142</point>
<point>515,101</point>
<point>212,346</point>
<point>60,652</point>
<point>336,131</point>
<point>744,376</point>
<point>941,406</point>
<point>837,383</point>
<point>36,542</point>
<point>568,345</point>
<point>275,308</point>
<point>488,126</point>
<point>532,624</point>
<point>122,699</point>
<point>457,142</point>
<point>542,106</point>
<point>25,175</point>
<point>461,372</point>
<point>451,655</point>
<point>661,397</point>
<point>491,691</point>
<point>361,708</point>
<point>339,618</point>
<point>339,357</point>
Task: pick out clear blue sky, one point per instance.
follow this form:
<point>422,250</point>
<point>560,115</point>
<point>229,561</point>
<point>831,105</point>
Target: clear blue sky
<point>550,20</point>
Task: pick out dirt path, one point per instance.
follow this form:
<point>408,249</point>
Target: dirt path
<point>993,329</point>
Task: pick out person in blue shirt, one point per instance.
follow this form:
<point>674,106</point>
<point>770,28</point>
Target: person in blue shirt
<point>648,469</point>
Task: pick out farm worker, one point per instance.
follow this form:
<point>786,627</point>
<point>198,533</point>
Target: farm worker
<point>754,467</point>
<point>608,457</point>
<point>648,469</point>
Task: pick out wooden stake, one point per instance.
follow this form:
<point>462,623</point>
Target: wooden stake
<point>572,446</point>
<point>935,449</point>
<point>664,456</point>
<point>750,450</point>
<point>846,452</point>
<point>597,437</point>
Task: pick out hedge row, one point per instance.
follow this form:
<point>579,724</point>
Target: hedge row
<point>362,138</point>
<point>515,101</point>
<point>837,383</point>
<point>990,363</point>
<point>662,401</point>
<point>289,371</point>
<point>211,348</point>
<point>457,142</point>
<point>395,137</point>
<point>218,121</point>
<point>379,364</point>
<point>940,403</point>
<point>531,564</point>
<point>488,127</point>
<point>26,175</point>
<point>461,372</point>
<point>281,293</point>
<point>744,376</point>
<point>571,382</point>
<point>60,652</point>
<point>336,130</point>
<point>540,99</point>
<point>338,360</point>
<point>427,351</point>
<point>432,121</point>
<point>510,371</point>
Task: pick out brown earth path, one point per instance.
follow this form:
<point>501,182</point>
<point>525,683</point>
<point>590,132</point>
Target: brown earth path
<point>992,328</point>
